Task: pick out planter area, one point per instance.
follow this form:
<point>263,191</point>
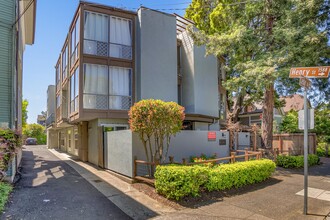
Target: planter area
<point>178,181</point>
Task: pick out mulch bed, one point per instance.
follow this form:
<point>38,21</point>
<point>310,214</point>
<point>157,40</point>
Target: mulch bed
<point>205,197</point>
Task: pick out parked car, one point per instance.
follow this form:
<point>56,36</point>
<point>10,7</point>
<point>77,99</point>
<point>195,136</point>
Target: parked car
<point>31,141</point>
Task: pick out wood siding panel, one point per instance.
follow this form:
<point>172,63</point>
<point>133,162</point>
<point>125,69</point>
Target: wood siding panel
<point>7,18</point>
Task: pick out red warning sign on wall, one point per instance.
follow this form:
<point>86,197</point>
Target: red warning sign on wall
<point>211,136</point>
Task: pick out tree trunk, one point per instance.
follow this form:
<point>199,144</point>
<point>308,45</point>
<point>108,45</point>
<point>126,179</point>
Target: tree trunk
<point>267,117</point>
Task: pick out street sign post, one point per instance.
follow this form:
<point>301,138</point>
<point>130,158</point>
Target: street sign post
<point>303,73</point>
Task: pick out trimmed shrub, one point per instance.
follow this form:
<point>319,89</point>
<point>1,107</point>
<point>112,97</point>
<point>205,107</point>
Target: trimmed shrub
<point>177,181</point>
<point>296,161</point>
<point>320,150</point>
<point>227,176</point>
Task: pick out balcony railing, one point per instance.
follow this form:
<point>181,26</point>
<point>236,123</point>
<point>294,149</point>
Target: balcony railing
<point>104,102</point>
<point>100,48</point>
<point>50,119</point>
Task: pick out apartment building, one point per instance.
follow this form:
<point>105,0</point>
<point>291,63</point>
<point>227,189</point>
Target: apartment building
<point>113,58</point>
<point>17,29</point>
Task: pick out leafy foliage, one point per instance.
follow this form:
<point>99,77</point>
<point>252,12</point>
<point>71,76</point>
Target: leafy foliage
<point>322,123</point>
<point>290,123</point>
<point>9,142</point>
<point>320,150</point>
<point>296,161</point>
<point>25,104</point>
<point>261,41</point>
<point>177,181</point>
<point>5,189</point>
<point>236,175</point>
<point>156,120</point>
<point>35,131</point>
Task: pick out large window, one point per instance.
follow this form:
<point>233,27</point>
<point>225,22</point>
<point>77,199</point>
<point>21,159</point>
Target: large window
<point>75,41</point>
<point>120,38</point>
<point>99,40</point>
<point>119,87</point>
<point>95,86</point>
<point>107,87</point>
<point>58,77</point>
<point>74,91</point>
<point>65,63</point>
<point>58,101</point>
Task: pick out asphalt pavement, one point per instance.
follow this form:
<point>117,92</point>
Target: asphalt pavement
<point>51,189</point>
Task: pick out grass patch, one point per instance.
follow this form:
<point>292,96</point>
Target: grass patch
<point>5,189</point>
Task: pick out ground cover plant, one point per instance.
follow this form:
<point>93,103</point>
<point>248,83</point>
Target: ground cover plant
<point>5,189</point>
<point>178,181</point>
<point>296,161</point>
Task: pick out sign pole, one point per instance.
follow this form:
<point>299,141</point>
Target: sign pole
<point>305,152</point>
<point>304,73</point>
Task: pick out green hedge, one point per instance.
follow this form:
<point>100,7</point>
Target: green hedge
<point>5,189</point>
<point>296,161</point>
<point>239,174</point>
<point>320,150</point>
<point>177,181</point>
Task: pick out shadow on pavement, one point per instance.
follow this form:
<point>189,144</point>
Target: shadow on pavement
<point>51,189</point>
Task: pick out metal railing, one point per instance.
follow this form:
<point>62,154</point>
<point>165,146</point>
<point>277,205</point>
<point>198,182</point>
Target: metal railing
<point>104,102</point>
<point>106,49</point>
<point>50,119</point>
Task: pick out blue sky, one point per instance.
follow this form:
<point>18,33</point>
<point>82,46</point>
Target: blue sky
<point>52,25</point>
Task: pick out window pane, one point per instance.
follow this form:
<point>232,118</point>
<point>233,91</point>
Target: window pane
<point>120,38</point>
<point>77,82</point>
<point>95,79</point>
<point>72,87</point>
<point>77,30</point>
<point>119,88</point>
<point>96,27</point>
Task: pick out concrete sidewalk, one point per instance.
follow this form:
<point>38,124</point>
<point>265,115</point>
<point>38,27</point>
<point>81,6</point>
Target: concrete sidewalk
<point>134,203</point>
<point>277,198</point>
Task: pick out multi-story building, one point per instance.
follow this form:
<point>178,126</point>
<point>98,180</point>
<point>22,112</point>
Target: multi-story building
<point>17,28</point>
<point>113,58</point>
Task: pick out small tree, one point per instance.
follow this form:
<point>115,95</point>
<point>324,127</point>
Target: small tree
<point>290,123</point>
<point>36,131</point>
<point>156,120</point>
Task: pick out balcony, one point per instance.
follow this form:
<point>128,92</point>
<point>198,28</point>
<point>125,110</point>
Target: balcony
<point>50,120</point>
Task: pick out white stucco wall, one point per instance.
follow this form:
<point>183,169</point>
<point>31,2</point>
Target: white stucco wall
<point>156,56</point>
<point>93,150</point>
<point>123,146</point>
<point>200,79</point>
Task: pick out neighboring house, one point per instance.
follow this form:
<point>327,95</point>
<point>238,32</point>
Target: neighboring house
<point>50,105</point>
<point>112,58</point>
<point>252,114</point>
<point>294,102</point>
<point>41,120</point>
<point>17,28</point>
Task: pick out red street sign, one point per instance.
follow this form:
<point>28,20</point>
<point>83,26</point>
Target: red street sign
<point>211,136</point>
<point>310,72</point>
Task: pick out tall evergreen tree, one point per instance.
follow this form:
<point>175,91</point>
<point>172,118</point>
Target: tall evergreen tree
<point>261,40</point>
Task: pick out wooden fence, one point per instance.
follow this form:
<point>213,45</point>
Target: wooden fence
<point>151,166</point>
